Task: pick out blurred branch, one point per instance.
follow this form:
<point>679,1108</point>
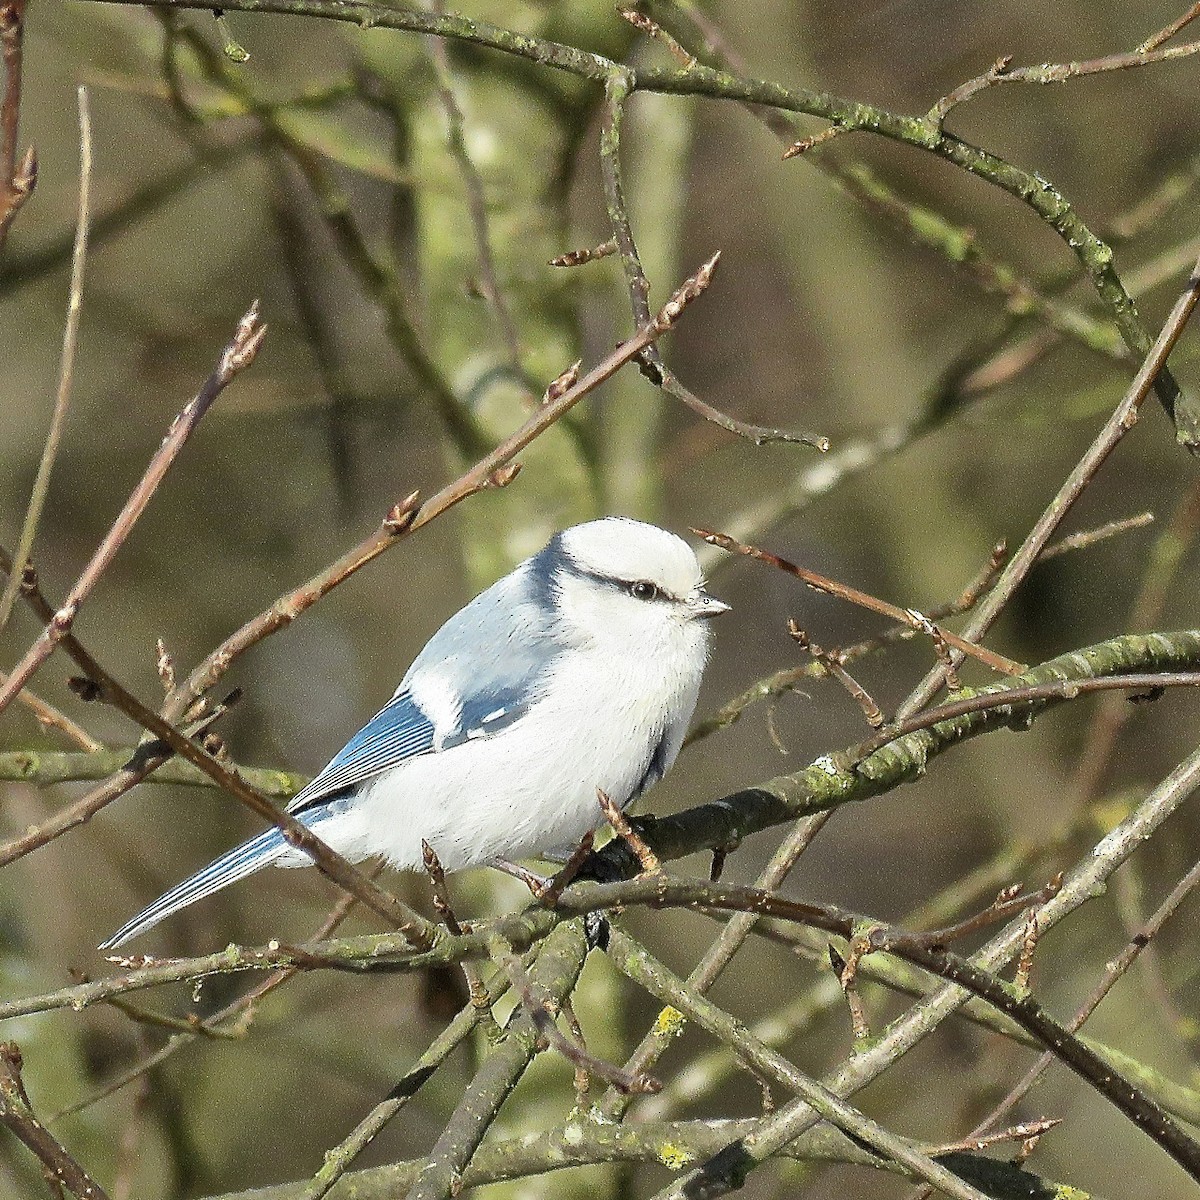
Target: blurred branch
<point>48,767</point>
<point>476,199</point>
<point>18,1116</point>
<point>971,375</point>
<point>958,244</point>
<point>617,90</point>
<point>66,369</point>
<point>375,269</point>
<point>144,201</point>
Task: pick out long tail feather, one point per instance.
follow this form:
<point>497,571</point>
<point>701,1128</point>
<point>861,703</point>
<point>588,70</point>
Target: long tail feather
<point>244,860</point>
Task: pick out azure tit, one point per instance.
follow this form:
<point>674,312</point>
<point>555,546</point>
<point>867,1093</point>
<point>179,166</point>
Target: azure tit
<point>578,670</point>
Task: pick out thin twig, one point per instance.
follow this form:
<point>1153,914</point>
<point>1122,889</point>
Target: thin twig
<point>441,903</point>
<point>1002,70</point>
<point>626,832</point>
<point>412,515</point>
<point>831,661</point>
<point>236,356</point>
<point>1089,537</point>
<point>1169,31</point>
<point>41,484</point>
<point>1123,418</point>
<point>617,88</point>
<point>17,180</point>
<point>53,718</point>
<point>819,583</point>
<point>543,1012</point>
<point>476,201</point>
<point>1021,697</point>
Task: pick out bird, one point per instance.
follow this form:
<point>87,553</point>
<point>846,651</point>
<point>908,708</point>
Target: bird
<point>577,671</point>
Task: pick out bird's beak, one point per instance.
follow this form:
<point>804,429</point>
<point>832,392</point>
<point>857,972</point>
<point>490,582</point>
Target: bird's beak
<point>704,606</point>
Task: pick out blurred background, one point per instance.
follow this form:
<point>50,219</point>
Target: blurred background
<point>868,291</point>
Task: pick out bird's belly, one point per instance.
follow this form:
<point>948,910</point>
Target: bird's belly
<point>509,796</point>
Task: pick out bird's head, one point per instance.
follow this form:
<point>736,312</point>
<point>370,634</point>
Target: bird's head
<point>629,584</point>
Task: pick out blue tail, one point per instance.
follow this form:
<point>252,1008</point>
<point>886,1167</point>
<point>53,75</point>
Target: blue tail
<point>247,858</point>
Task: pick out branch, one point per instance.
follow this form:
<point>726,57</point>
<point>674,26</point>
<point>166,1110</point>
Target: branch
<point>409,516</point>
<point>17,1115</point>
<point>236,356</point>
<point>66,370</point>
<point>635,961</point>
<point>554,975</point>
<point>672,1144</point>
<point>1123,418</point>
<point>819,787</point>
<point>1083,883</point>
<point>17,180</point>
<point>48,767</point>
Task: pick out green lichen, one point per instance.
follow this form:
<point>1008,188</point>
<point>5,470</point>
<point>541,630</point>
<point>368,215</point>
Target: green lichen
<point>670,1023</point>
<point>673,1156</point>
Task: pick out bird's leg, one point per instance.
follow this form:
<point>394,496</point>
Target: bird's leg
<point>539,885</point>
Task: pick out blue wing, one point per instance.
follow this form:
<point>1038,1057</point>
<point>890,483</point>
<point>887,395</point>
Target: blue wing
<point>398,731</point>
<point>493,654</point>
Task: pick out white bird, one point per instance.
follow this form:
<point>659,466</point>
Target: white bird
<point>578,670</point>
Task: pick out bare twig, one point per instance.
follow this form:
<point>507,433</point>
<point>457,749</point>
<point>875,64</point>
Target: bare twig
<point>819,583</point>
<point>569,870</point>
<point>542,1012</point>
<point>53,718</point>
<point>441,903</point>
<point>831,661</point>
<point>639,20</point>
<point>1123,418</point>
<point>1089,537</point>
<point>1002,71</point>
<point>1169,31</point>
<point>17,180</point>
<point>1022,697</point>
<point>630,836</point>
<point>236,356</point>
<point>41,485</point>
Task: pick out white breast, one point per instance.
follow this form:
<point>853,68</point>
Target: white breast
<point>533,785</point>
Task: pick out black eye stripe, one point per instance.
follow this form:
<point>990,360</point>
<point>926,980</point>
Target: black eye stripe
<point>629,586</point>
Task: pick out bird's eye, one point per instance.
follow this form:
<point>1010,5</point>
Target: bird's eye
<point>643,589</point>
